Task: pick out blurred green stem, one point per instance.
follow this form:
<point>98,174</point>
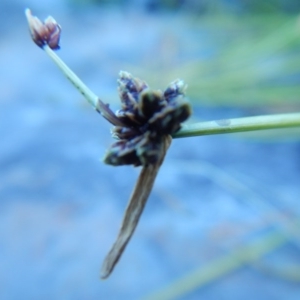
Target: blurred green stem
<point>221,266</point>
<point>196,129</point>
<point>239,125</point>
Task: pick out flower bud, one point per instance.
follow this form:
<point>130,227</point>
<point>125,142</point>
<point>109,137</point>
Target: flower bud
<point>44,33</point>
<point>175,88</point>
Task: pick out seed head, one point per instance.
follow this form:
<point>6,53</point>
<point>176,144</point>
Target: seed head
<point>44,33</point>
<point>146,116</point>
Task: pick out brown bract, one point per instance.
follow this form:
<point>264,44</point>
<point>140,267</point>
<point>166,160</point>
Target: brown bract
<point>146,117</point>
<point>44,33</point>
<point>143,127</point>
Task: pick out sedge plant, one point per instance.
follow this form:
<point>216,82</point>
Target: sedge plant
<point>144,127</point>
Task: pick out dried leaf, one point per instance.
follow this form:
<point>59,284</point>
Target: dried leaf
<point>134,210</point>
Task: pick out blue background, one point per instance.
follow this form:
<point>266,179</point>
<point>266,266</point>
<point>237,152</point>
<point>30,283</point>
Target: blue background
<point>218,201</point>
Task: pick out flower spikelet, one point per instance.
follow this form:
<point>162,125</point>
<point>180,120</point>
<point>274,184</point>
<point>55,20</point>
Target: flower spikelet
<point>146,116</point>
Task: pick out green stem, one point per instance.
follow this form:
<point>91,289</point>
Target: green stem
<point>196,129</point>
<point>75,80</point>
<point>92,98</point>
<point>239,125</point>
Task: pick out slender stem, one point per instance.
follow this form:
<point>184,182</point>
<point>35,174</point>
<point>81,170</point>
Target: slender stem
<point>196,129</point>
<point>75,80</point>
<point>92,98</point>
<point>239,125</point>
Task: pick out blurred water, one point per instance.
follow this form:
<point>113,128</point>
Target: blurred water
<point>60,207</point>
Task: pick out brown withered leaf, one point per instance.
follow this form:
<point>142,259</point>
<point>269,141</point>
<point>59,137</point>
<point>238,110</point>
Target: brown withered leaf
<point>134,210</point>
